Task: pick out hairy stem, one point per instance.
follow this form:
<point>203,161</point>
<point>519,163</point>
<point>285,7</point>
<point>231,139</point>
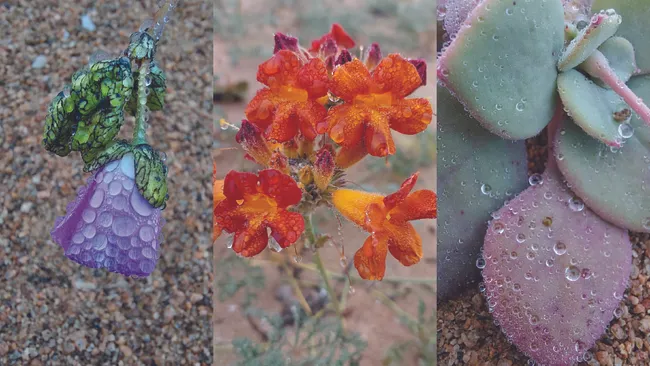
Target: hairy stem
<point>598,66</point>
<point>140,129</point>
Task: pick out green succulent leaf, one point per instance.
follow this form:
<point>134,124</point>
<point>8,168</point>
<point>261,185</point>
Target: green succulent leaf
<point>91,115</point>
<point>150,175</point>
<point>115,151</point>
<point>613,183</point>
<point>141,46</point>
<point>598,111</point>
<point>602,27</point>
<point>619,52</point>
<point>478,172</point>
<point>503,66</point>
<point>635,14</point>
<point>157,88</point>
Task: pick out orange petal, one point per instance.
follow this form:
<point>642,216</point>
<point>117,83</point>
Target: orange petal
<point>227,216</point>
<point>411,116</point>
<point>286,227</point>
<point>350,79</point>
<point>354,204</point>
<point>217,197</point>
<point>281,69</point>
<point>261,108</point>
<point>346,124</point>
<point>236,184</point>
<point>418,205</point>
<point>396,198</point>
<point>281,187</point>
<point>313,78</point>
<point>378,138</point>
<point>348,156</point>
<point>312,119</point>
<point>404,243</point>
<point>250,242</point>
<point>370,259</point>
<point>285,123</point>
<point>396,75</point>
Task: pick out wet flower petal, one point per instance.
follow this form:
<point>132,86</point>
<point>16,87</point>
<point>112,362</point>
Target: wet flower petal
<point>418,205</point>
<point>348,156</point>
<point>217,198</point>
<point>251,241</point>
<point>370,259</point>
<point>280,187</point>
<point>411,116</point>
<point>398,197</point>
<point>110,225</point>
<point>396,75</point>
<point>353,204</point>
<point>347,124</point>
<point>261,108</point>
<point>312,77</point>
<point>281,69</point>
<point>287,227</point>
<point>378,138</point>
<point>350,80</point>
<point>404,244</point>
<point>237,184</point>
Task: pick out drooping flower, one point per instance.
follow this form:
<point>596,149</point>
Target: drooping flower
<point>255,203</point>
<point>375,103</point>
<point>110,224</point>
<point>387,219</point>
<point>336,34</point>
<point>289,103</point>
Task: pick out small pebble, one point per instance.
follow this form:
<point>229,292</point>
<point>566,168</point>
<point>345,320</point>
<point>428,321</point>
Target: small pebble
<point>39,62</point>
<point>87,23</point>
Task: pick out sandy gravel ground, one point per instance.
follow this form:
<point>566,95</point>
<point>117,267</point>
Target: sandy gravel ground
<point>53,311</point>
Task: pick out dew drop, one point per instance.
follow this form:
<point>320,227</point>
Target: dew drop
<point>535,179</point>
<point>559,248</point>
<point>480,263</point>
<point>572,273</point>
<point>576,204</point>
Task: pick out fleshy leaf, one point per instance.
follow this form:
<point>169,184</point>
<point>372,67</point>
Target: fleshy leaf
<point>157,90</point>
<point>602,27</point>
<point>635,14</point>
<point>619,52</point>
<point>141,46</point>
<point>614,184</point>
<point>112,152</point>
<point>554,272</point>
<point>150,175</point>
<point>471,161</point>
<point>503,66</point>
<point>596,110</point>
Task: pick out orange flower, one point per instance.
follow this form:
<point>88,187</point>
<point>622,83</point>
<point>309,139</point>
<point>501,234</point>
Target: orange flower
<point>387,219</point>
<point>252,203</point>
<point>217,197</point>
<point>289,104</point>
<point>375,103</point>
<point>337,34</point>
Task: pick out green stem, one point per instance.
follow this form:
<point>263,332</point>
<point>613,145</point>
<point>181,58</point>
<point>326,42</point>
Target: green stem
<point>140,129</point>
<point>311,236</point>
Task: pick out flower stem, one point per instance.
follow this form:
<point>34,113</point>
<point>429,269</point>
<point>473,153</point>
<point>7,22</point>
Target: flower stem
<point>598,66</point>
<point>140,129</point>
<point>311,236</point>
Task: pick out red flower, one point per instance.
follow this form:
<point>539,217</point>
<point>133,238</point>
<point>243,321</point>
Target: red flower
<point>337,34</point>
<point>255,203</point>
<point>289,103</point>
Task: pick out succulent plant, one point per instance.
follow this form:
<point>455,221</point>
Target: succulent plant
<point>556,257</point>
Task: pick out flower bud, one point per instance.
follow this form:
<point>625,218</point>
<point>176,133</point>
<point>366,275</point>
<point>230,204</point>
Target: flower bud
<point>305,175</point>
<point>323,168</point>
<point>279,162</point>
<point>250,138</point>
<point>421,66</point>
<point>344,56</point>
<point>374,56</point>
<point>290,149</point>
<point>284,42</point>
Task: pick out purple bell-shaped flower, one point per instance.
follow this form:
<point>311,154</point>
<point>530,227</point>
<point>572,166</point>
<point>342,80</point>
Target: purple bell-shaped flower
<point>110,224</point>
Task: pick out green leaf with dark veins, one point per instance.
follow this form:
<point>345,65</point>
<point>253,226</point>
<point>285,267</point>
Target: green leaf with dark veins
<point>150,175</point>
<point>114,151</point>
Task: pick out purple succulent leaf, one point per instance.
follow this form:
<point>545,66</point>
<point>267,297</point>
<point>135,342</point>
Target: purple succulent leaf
<point>554,272</point>
<point>110,224</point>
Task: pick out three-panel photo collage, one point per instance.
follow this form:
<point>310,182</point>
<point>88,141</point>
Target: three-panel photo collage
<point>325,182</point>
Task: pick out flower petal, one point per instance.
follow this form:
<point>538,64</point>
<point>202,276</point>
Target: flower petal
<point>404,243</point>
<point>285,123</point>
<point>251,241</point>
<point>348,156</point>
<point>280,187</point>
<point>346,124</point>
<point>227,216</point>
<point>313,78</point>
<point>396,198</point>
<point>410,116</point>
<point>353,204</point>
<point>396,75</point>
<point>311,116</point>
<point>341,37</point>
<point>351,79</point>
<point>217,197</point>
<point>261,108</point>
<point>378,138</point>
<point>286,227</point>
<point>280,70</point>
<point>236,184</point>
<point>370,259</point>
<point>418,205</point>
